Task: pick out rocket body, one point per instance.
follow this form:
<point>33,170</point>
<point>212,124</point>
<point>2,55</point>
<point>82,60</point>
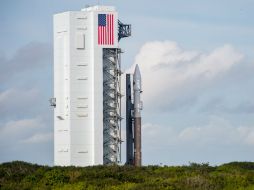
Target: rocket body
<point>137,116</point>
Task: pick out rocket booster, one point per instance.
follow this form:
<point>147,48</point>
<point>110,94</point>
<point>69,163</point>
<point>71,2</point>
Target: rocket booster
<point>137,116</point>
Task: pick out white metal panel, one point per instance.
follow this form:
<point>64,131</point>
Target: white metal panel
<point>80,40</point>
<point>80,86</point>
<point>61,62</point>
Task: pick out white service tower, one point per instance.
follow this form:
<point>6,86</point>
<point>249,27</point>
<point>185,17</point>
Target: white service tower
<point>87,91</point>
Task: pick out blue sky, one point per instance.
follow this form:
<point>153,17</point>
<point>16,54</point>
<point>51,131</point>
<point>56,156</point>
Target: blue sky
<point>196,58</point>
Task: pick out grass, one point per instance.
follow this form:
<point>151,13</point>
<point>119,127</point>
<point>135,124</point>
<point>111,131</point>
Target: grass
<point>232,176</point>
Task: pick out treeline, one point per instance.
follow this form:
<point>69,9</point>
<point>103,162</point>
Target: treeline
<point>21,175</point>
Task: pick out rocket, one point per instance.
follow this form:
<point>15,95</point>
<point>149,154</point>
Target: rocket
<point>137,116</point>
<point>133,119</point>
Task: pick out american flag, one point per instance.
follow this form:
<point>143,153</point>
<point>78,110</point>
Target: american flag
<point>105,29</point>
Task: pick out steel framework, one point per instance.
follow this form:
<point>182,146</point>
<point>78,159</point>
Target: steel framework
<point>111,105</point>
<point>124,30</point>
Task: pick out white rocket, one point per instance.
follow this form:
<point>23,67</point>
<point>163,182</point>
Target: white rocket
<point>137,116</point>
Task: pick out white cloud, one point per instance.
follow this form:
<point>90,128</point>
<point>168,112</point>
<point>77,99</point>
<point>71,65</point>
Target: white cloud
<point>25,130</point>
<point>20,126</point>
<point>25,139</point>
<point>169,72</point>
<point>247,133</point>
<point>175,79</point>
<point>13,95</point>
<point>216,142</point>
<point>31,57</point>
<point>217,131</point>
<point>4,95</point>
<point>14,101</point>
<point>39,138</point>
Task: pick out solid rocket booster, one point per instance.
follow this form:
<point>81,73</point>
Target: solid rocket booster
<point>137,116</point>
<point>129,123</point>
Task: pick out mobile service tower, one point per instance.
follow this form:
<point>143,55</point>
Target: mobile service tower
<point>87,86</point>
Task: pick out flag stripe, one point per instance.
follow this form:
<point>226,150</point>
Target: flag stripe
<point>103,35</point>
<point>110,29</point>
<point>109,41</point>
<point>110,18</point>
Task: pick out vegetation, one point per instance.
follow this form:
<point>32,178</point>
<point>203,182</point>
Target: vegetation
<point>20,175</point>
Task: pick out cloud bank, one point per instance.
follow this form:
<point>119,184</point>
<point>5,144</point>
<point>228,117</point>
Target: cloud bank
<point>169,71</point>
<point>217,142</point>
<point>188,114</point>
<point>25,123</point>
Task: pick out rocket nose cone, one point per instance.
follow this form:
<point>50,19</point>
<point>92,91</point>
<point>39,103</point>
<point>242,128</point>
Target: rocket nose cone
<point>137,74</point>
<point>137,79</point>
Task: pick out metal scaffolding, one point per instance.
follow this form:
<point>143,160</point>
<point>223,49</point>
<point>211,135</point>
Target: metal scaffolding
<point>124,30</point>
<point>111,105</point>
